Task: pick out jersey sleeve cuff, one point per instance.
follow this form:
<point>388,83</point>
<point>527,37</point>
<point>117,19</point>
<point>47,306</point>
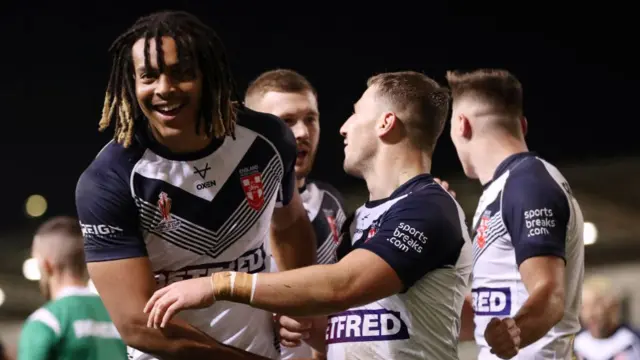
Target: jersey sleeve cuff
<point>537,251</point>
<point>109,254</point>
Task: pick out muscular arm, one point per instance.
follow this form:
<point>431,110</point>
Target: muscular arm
<point>536,212</point>
<point>125,286</point>
<point>423,240</point>
<point>360,278</point>
<point>543,277</point>
<point>293,240</point>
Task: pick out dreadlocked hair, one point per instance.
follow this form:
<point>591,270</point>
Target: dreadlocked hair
<point>197,45</point>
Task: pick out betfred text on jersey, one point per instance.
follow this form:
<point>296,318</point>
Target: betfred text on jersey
<point>406,237</point>
<point>366,325</point>
<point>491,301</point>
<point>539,221</point>
<point>250,262</point>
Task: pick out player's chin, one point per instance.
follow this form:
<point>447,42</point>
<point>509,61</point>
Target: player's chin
<point>302,171</point>
<point>351,169</point>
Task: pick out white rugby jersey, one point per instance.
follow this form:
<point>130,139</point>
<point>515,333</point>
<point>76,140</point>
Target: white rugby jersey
<point>193,215</point>
<point>325,208</point>
<point>527,210</point>
<point>623,344</point>
<point>420,232</point>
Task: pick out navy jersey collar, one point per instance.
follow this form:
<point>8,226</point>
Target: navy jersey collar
<point>422,179</point>
<point>146,138</point>
<point>509,163</point>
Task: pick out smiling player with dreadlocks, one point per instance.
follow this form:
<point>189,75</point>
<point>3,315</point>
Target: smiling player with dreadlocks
<point>187,188</point>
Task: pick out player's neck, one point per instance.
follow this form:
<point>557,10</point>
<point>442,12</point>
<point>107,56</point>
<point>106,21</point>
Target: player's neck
<point>489,152</point>
<point>300,182</point>
<point>181,141</point>
<point>62,281</point>
<point>392,168</point>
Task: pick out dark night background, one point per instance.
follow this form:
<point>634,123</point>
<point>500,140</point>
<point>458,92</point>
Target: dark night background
<point>576,64</point>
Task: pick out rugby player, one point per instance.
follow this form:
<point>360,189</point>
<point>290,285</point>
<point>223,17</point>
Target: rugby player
<point>405,259</point>
<point>604,336</point>
<point>289,95</point>
<point>74,323</point>
<point>527,229</point>
<point>192,184</point>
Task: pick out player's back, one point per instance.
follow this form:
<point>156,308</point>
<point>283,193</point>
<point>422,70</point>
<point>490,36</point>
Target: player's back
<point>527,210</point>
<point>422,321</point>
<point>75,325</point>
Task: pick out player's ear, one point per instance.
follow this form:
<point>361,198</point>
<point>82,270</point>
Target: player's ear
<point>524,125</point>
<point>464,127</point>
<point>387,122</point>
<point>46,267</point>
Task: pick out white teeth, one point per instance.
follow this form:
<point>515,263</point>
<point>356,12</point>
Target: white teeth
<point>168,107</point>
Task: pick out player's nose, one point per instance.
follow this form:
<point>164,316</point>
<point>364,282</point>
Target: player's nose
<point>165,86</point>
<point>300,131</point>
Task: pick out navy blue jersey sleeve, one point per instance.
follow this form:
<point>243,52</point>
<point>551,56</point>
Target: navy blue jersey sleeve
<point>288,151</point>
<point>108,217</point>
<point>536,212</point>
<point>418,234</point>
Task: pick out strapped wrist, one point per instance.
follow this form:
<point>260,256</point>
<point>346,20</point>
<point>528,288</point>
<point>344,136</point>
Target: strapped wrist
<point>234,286</point>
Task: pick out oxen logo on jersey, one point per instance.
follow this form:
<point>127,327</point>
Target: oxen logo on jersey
<point>481,231</point>
<point>251,180</point>
<point>331,219</point>
<point>366,325</point>
<point>164,205</point>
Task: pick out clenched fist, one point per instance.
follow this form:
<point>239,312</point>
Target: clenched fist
<point>503,337</point>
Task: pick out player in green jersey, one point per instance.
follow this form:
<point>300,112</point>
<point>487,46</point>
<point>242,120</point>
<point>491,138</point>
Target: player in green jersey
<point>74,323</point>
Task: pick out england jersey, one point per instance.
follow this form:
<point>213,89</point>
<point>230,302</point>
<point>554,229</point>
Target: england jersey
<point>193,215</point>
<point>527,210</point>
<point>623,344</point>
<point>325,208</point>
<point>420,232</point>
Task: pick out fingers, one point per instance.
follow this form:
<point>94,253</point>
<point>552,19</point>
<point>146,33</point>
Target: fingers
<point>161,308</point>
<point>293,331</point>
<point>295,325</point>
<point>290,344</point>
<point>292,336</point>
<point>171,311</point>
<point>156,295</point>
<point>503,337</point>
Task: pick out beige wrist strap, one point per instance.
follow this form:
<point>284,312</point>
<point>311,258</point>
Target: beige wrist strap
<point>234,286</point>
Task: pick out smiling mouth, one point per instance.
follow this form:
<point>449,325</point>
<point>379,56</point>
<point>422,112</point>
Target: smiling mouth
<point>169,109</point>
<point>302,154</point>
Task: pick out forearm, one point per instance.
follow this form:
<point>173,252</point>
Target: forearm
<point>294,246</point>
<point>543,309</point>
<point>313,290</point>
<point>179,340</point>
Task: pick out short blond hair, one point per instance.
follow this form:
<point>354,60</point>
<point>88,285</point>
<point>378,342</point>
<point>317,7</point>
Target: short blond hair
<point>278,80</point>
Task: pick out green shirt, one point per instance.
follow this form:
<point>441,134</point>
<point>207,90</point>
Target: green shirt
<point>74,326</point>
